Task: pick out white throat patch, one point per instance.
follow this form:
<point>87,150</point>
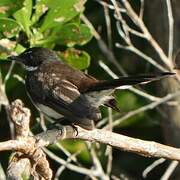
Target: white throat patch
<point>30,68</point>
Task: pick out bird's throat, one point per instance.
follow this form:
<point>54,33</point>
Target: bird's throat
<point>30,68</point>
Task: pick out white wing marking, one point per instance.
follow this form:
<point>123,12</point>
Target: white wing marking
<point>49,111</point>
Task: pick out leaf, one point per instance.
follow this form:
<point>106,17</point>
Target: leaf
<point>23,16</point>
<point>6,2</point>
<point>9,28</point>
<point>71,34</point>
<point>19,48</point>
<point>40,9</point>
<point>8,7</point>
<point>76,58</point>
<point>61,11</point>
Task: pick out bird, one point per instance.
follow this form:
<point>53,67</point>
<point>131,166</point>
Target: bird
<point>67,95</point>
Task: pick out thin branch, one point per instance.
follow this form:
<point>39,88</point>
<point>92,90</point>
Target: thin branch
<point>68,154</point>
<point>109,148</point>
<point>152,166</point>
<point>2,173</point>
<point>139,22</point>
<point>19,78</point>
<point>142,55</point>
<point>63,167</point>
<point>70,166</point>
<point>103,3</point>
<point>171,29</point>
<point>147,107</point>
<point>170,170</point>
<point>97,165</point>
<point>9,72</point>
<point>133,89</point>
<point>108,26</point>
<point>141,9</point>
<point>106,51</point>
<point>125,36</point>
<point>3,97</point>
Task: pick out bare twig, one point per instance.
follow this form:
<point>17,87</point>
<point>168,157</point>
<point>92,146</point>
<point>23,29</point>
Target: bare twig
<point>70,166</point>
<point>109,148</point>
<point>152,166</point>
<point>106,51</point>
<point>170,170</point>
<point>97,165</point>
<point>147,107</point>
<point>141,9</point>
<point>39,165</point>
<point>138,21</point>
<point>3,97</point>
<point>68,154</point>
<point>171,29</point>
<point>133,89</point>
<point>2,173</point>
<point>9,72</point>
<point>103,3</point>
<point>142,55</point>
<point>108,25</point>
<point>63,167</point>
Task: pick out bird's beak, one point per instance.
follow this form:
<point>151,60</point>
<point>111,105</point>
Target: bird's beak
<point>14,58</point>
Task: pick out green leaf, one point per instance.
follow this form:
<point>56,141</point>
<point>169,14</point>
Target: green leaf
<point>19,48</point>
<point>9,28</point>
<point>61,11</point>
<point>40,9</point>
<point>23,16</point>
<point>76,58</point>
<point>8,7</point>
<point>6,2</point>
<point>71,34</point>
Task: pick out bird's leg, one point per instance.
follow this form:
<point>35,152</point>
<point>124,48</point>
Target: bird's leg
<point>62,122</point>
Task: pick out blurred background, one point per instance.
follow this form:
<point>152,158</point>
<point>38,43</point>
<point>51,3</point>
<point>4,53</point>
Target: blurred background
<point>105,39</point>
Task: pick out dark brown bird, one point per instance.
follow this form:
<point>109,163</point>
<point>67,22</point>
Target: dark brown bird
<point>66,94</point>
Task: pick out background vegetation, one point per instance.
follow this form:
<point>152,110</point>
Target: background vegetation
<point>64,27</point>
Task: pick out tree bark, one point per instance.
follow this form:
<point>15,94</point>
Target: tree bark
<point>159,28</point>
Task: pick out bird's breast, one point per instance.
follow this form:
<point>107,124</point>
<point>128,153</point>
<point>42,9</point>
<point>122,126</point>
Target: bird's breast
<point>49,111</point>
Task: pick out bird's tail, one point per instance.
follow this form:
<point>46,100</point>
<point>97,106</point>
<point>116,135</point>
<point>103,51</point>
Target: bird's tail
<point>125,82</point>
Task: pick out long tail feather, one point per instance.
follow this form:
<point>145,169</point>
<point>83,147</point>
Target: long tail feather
<point>127,81</point>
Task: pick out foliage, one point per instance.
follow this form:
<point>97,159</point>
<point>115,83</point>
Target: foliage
<point>46,23</point>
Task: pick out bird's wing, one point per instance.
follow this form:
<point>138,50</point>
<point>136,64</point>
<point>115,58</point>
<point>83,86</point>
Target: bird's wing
<point>68,101</point>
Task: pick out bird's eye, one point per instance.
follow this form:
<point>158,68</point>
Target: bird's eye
<point>29,55</point>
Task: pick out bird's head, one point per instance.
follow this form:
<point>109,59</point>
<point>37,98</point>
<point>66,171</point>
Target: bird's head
<point>32,58</point>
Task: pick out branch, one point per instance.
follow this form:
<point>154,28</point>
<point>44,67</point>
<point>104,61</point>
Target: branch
<point>171,29</point>
<point>125,143</point>
<point>31,147</point>
<point>28,157</point>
